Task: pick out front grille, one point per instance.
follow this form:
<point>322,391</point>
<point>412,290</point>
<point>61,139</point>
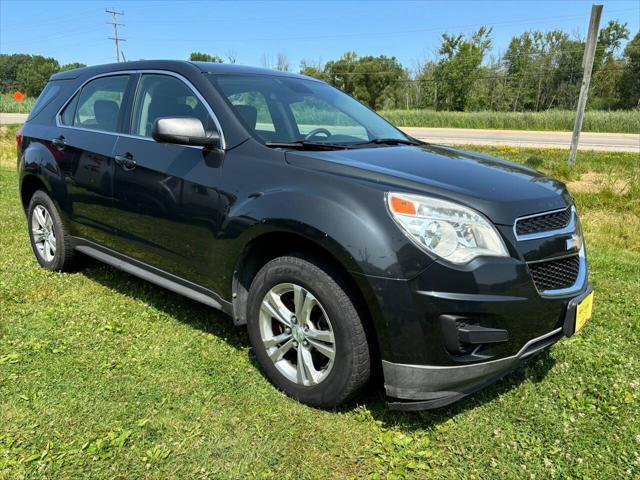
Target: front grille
<point>555,274</point>
<point>543,222</point>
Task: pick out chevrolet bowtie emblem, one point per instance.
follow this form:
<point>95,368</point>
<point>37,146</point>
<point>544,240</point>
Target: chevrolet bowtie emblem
<point>575,242</point>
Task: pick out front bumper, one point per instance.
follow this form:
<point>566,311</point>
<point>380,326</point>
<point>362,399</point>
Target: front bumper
<point>420,368</point>
<point>429,386</point>
<point>426,386</point>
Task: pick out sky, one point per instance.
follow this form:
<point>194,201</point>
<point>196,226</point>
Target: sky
<point>77,31</point>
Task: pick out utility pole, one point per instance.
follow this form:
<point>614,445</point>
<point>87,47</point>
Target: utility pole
<point>587,63</point>
<point>115,38</point>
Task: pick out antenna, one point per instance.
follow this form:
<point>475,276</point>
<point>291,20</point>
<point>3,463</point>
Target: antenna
<point>115,38</point>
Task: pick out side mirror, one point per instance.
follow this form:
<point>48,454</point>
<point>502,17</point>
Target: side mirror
<point>184,131</point>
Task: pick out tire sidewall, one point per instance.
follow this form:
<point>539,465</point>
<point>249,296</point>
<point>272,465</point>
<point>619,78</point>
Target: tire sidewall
<point>331,390</point>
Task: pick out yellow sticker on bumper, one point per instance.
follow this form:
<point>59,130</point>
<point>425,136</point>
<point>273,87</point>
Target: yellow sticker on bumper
<point>583,312</point>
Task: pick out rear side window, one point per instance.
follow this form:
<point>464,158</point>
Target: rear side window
<point>48,94</point>
<point>97,106</point>
<point>165,96</point>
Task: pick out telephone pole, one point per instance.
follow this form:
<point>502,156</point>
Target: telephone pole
<point>115,38</point>
<point>587,63</point>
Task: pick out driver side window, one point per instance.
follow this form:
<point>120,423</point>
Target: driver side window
<point>161,96</point>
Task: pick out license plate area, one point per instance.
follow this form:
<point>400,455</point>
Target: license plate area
<point>579,311</point>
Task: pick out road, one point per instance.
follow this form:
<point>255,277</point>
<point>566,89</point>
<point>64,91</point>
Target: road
<point>7,118</point>
<point>614,142</point>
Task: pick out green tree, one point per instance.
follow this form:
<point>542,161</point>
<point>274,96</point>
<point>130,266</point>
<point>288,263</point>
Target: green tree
<point>425,79</point>
<point>204,57</point>
<point>628,86</point>
<point>313,70</point>
<point>543,70</point>
<point>71,66</point>
<point>609,41</point>
<point>459,67</point>
<point>607,69</point>
<point>9,65</point>
<point>28,73</point>
<point>32,76</point>
<point>376,81</point>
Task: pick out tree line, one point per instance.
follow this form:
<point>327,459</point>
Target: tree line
<point>29,73</point>
<point>540,70</point>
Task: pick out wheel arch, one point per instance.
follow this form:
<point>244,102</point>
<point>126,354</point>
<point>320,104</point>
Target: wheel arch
<point>29,185</point>
<point>273,244</point>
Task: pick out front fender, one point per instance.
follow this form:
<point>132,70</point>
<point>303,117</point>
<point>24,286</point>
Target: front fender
<point>350,222</point>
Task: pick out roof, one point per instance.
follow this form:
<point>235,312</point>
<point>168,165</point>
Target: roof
<point>223,68</point>
<point>172,65</point>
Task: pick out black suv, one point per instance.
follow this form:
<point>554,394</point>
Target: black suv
<point>343,244</point>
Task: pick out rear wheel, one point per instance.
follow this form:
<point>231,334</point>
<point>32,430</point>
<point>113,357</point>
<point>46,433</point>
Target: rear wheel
<point>306,333</point>
<point>49,241</point>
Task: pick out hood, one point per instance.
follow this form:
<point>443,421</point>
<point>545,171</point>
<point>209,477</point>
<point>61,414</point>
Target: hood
<point>500,189</point>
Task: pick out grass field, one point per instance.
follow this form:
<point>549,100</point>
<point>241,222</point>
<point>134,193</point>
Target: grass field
<point>623,121</point>
<point>106,376</point>
<point>9,105</point>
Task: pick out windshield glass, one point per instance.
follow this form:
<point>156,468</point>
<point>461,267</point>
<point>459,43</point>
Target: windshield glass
<point>286,110</point>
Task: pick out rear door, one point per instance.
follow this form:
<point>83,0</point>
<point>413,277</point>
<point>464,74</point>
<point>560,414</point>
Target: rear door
<point>168,207</point>
<point>88,129</point>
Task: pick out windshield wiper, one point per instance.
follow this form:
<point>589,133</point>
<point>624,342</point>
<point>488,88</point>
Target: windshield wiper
<point>390,141</point>
<point>303,144</point>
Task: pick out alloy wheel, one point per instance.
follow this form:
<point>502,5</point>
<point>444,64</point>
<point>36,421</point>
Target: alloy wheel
<point>44,237</point>
<point>297,334</point>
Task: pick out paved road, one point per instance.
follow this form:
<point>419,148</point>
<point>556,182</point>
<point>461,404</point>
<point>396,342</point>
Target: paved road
<point>6,118</point>
<point>616,142</point>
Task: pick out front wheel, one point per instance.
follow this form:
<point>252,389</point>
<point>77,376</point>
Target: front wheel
<point>306,332</point>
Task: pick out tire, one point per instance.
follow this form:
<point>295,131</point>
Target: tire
<point>329,322</point>
<point>49,240</point>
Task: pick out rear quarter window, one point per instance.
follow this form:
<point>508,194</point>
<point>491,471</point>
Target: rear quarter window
<point>67,115</point>
<point>49,93</point>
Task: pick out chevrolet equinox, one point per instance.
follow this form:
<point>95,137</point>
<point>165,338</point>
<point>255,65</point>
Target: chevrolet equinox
<point>344,245</point>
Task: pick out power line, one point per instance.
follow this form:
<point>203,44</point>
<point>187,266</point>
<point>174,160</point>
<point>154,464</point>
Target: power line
<point>47,38</point>
<point>115,38</point>
<point>531,21</point>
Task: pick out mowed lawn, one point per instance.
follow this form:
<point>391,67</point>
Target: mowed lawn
<point>106,376</point>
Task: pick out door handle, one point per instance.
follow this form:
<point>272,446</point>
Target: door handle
<point>126,161</point>
<point>59,143</point>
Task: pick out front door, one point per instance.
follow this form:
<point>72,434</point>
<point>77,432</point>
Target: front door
<point>168,208</point>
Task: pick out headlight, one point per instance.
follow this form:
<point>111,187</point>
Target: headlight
<point>446,229</point>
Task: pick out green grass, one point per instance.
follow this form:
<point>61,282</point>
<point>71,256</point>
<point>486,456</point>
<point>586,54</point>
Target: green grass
<point>106,376</point>
<point>9,105</point>
<point>622,121</point>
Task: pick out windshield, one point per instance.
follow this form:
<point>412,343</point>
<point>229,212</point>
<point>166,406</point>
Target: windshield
<point>282,110</point>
